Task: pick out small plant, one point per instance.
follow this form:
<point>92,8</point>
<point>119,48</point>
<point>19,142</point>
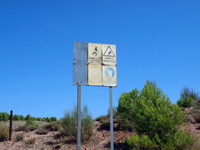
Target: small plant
<point>4,133</point>
<point>102,118</point>
<point>20,137</point>
<point>105,125</point>
<point>138,143</point>
<point>16,117</point>
<point>54,126</point>
<point>188,98</point>
<point>39,119</point>
<point>70,124</point>
<point>41,131</point>
<point>31,122</point>
<point>58,146</point>
<point>30,141</point>
<point>26,128</point>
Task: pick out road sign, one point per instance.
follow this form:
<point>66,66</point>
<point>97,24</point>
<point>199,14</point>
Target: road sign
<point>95,75</point>
<point>94,54</point>
<point>109,54</point>
<point>80,60</point>
<point>90,63</point>
<point>94,64</point>
<point>109,76</point>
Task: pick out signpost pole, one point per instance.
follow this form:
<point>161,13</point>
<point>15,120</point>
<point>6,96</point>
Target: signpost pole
<point>79,118</point>
<point>111,120</point>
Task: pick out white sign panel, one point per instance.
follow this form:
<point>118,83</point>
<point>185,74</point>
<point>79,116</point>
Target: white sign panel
<point>94,54</point>
<point>109,76</point>
<point>109,54</point>
<point>94,64</point>
<point>95,75</point>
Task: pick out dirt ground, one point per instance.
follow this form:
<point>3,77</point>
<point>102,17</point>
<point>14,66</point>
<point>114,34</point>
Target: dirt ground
<point>99,141</point>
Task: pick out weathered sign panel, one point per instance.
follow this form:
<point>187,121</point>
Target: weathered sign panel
<point>95,75</point>
<point>94,54</point>
<point>109,76</point>
<point>80,59</point>
<point>109,54</point>
<point>94,64</point>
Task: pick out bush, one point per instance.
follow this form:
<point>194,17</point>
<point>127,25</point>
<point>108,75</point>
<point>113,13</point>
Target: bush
<point>178,141</point>
<point>28,117</point>
<point>4,133</point>
<point>30,141</point>
<point>152,114</point>
<point>70,124</point>
<point>39,119</point>
<point>20,137</point>
<point>188,98</point>
<point>124,109</point>
<point>102,118</point>
<point>4,116</point>
<point>22,117</point>
<point>54,126</point>
<point>41,131</point>
<point>31,122</point>
<point>138,143</point>
<point>26,128</point>
<point>53,119</point>
<point>43,119</point>
<point>105,125</point>
<point>16,117</point>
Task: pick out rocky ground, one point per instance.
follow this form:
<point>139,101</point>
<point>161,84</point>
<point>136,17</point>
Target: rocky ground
<point>100,139</point>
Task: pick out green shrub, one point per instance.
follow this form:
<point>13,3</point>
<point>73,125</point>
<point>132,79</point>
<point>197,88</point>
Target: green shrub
<point>105,125</point>
<point>4,133</point>
<point>39,119</point>
<point>124,109</point>
<point>4,116</point>
<point>70,124</point>
<point>188,98</point>
<point>86,125</point>
<point>22,117</point>
<point>102,118</point>
<point>16,117</point>
<point>44,119</point>
<point>28,117</point>
<point>31,122</point>
<point>152,114</point>
<point>53,119</point>
<point>178,141</point>
<point>139,143</point>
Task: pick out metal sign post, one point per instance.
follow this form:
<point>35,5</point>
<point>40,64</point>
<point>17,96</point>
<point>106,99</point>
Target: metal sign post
<point>111,120</point>
<point>79,117</point>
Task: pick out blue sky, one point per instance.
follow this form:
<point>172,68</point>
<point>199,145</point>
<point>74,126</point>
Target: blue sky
<point>156,40</point>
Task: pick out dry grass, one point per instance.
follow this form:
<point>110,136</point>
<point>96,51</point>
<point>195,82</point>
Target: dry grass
<point>4,133</point>
<point>26,128</point>
<point>20,137</point>
<point>41,131</point>
<point>30,141</point>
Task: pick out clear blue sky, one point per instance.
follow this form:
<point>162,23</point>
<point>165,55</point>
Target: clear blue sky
<point>156,40</point>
